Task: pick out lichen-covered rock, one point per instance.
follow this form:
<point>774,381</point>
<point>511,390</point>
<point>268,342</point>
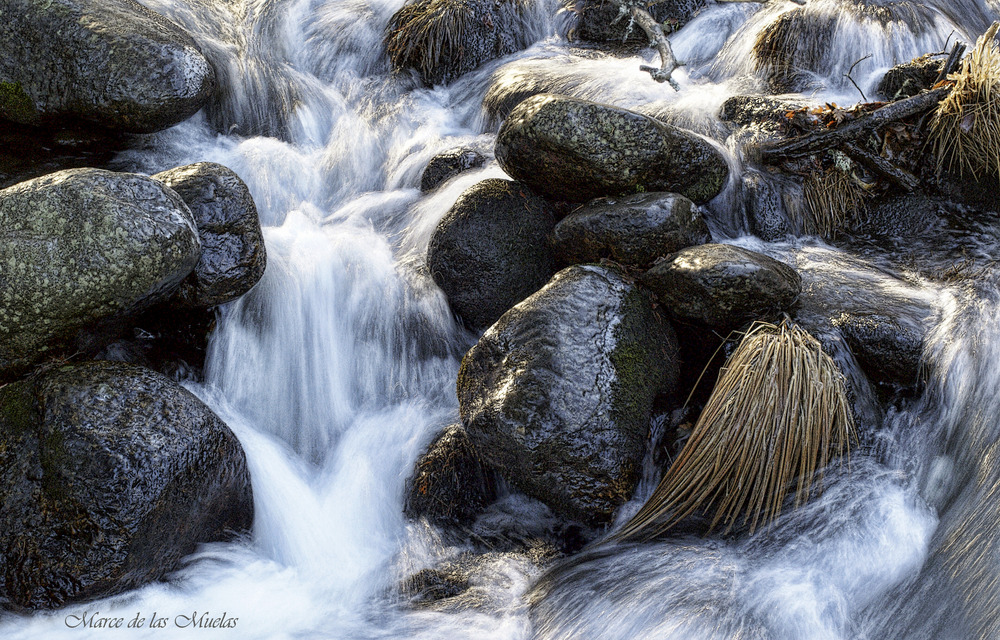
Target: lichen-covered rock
<point>888,349</point>
<point>723,286</point>
<point>910,78</point>
<point>110,474</point>
<point>110,62</point>
<point>451,484</point>
<point>449,164</point>
<point>557,394</point>
<point>631,230</point>
<point>491,250</point>
<point>576,150</point>
<point>599,20</point>
<point>443,39</point>
<point>233,256</point>
<point>80,246</point>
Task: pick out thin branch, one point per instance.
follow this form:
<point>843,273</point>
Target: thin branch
<point>879,165</point>
<point>848,76</point>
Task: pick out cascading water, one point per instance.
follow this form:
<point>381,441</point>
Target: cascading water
<point>339,367</point>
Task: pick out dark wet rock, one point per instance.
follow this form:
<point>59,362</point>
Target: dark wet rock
<point>723,286</point>
<point>599,20</point>
<point>557,395</point>
<point>83,246</point>
<point>233,256</point>
<point>632,230</point>
<point>896,215</point>
<point>110,475</point>
<point>910,78</point>
<point>444,39</point>
<point>448,164</point>
<point>433,585</point>
<point>577,150</point>
<point>765,210</point>
<point>113,63</point>
<point>491,250</point>
<point>888,349</point>
<point>450,484</point>
<point>975,192</point>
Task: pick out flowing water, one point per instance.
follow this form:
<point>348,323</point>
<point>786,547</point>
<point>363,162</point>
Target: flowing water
<point>339,367</point>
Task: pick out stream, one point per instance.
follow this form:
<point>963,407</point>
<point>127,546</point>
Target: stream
<point>339,368</point>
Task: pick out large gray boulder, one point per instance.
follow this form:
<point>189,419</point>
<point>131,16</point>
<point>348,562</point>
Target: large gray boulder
<point>557,394</point>
<point>491,250</point>
<point>576,150</point>
<point>110,62</point>
<point>110,474</point>
<point>723,286</point>
<point>632,230</point>
<point>233,256</point>
<point>80,246</point>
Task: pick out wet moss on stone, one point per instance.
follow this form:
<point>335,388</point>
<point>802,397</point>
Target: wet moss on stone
<point>15,104</point>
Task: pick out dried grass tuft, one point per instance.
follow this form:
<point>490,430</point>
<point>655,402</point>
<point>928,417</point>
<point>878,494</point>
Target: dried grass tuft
<point>777,416</point>
<point>831,198</point>
<point>965,129</point>
<point>427,33</point>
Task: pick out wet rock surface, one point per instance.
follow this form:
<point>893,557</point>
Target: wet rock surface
<point>233,256</point>
<point>557,395</point>
<point>491,250</point>
<point>723,286</point>
<point>84,246</point>
<point>110,475</point>
<point>631,230</point>
<point>576,150</point>
<point>113,63</point>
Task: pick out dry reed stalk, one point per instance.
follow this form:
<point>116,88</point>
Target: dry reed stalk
<point>831,198</point>
<point>965,129</point>
<point>778,413</point>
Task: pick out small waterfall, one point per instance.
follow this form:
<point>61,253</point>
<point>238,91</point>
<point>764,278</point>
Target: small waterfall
<point>339,367</point>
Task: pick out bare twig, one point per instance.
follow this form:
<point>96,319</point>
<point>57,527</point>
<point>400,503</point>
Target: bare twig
<point>848,76</point>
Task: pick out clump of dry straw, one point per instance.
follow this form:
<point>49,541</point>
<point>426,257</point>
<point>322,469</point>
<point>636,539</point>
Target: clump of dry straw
<point>778,413</point>
<point>965,129</point>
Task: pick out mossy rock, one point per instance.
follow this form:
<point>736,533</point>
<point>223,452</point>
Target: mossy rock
<point>113,63</point>
<point>110,474</point>
<point>599,20</point>
<point>576,150</point>
<point>557,395</point>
